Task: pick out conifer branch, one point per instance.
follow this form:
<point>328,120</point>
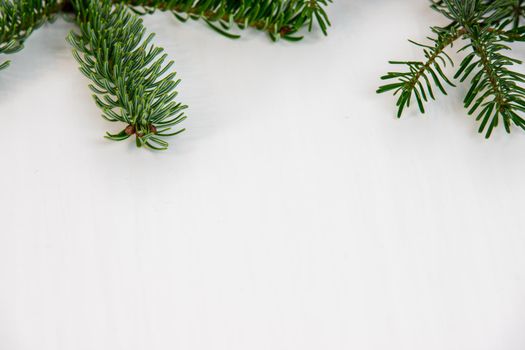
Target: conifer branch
<point>421,75</point>
<point>19,18</point>
<point>496,92</point>
<point>130,76</point>
<point>495,89</point>
<point>279,18</point>
<point>128,73</point>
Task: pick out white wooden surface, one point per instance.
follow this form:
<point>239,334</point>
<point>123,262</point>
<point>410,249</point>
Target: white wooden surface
<point>295,213</point>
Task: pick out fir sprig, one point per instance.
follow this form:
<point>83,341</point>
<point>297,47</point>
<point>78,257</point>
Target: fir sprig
<point>496,92</point>
<point>423,75</point>
<point>131,78</point>
<point>128,73</point>
<point>19,18</point>
<point>279,18</point>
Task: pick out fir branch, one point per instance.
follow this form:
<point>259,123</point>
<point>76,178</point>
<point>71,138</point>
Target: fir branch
<point>496,91</point>
<point>421,75</point>
<point>19,18</point>
<point>279,18</point>
<point>130,76</point>
<point>494,88</point>
<point>128,73</point>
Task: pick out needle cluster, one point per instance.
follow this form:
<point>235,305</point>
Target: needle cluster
<point>278,18</point>
<point>131,78</point>
<point>18,19</point>
<point>485,29</point>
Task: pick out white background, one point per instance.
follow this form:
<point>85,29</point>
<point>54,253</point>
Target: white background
<point>295,213</point>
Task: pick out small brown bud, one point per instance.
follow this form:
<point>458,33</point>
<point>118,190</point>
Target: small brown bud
<point>153,129</point>
<point>285,30</point>
<point>130,130</point>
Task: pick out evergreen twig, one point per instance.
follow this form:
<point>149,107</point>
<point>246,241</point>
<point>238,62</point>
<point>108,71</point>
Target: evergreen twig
<point>19,18</point>
<point>130,76</point>
<point>279,18</point>
<point>127,73</point>
<point>496,92</point>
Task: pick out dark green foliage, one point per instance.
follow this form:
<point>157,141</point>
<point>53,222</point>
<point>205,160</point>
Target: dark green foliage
<point>127,73</point>
<point>496,93</point>
<point>279,18</point>
<point>19,18</point>
<point>130,77</point>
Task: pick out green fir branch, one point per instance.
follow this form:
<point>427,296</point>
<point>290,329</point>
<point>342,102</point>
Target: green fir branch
<point>279,18</point>
<point>496,92</point>
<point>20,18</point>
<point>421,76</point>
<point>129,75</point>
